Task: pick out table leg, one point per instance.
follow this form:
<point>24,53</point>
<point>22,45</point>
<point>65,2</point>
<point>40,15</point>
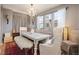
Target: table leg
<point>35,47</point>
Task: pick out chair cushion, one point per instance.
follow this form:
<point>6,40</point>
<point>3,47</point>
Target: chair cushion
<point>7,34</point>
<point>8,39</point>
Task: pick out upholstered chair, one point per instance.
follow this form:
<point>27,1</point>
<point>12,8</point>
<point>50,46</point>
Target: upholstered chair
<point>7,37</point>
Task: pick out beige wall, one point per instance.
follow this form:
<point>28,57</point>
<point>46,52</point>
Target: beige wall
<point>72,21</point>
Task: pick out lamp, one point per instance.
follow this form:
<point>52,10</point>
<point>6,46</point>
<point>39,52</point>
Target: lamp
<point>66,33</point>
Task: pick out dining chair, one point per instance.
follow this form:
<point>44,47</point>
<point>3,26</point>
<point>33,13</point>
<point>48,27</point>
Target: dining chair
<point>23,29</point>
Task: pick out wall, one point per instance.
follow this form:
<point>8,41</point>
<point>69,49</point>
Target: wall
<point>7,27</point>
<point>0,26</point>
<point>72,21</point>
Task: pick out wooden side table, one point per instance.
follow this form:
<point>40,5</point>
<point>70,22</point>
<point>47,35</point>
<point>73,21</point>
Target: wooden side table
<point>15,34</point>
<point>69,48</point>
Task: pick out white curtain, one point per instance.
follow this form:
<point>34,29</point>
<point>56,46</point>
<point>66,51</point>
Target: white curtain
<point>19,20</point>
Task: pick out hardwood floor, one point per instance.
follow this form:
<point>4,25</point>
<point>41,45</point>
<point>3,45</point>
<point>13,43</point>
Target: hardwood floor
<point>11,48</point>
<point>1,49</point>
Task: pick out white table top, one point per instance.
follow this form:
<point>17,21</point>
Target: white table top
<point>35,36</point>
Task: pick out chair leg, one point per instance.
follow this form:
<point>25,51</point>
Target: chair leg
<point>38,49</point>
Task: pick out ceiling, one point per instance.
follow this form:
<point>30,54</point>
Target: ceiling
<point>23,7</point>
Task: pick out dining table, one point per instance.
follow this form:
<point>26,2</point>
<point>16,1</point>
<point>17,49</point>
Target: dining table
<point>36,37</point>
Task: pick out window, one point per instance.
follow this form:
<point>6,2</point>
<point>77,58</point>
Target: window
<point>39,22</point>
<point>48,18</point>
<point>54,19</point>
<point>59,18</point>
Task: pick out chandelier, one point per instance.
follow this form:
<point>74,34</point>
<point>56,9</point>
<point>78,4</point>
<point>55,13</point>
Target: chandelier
<point>32,13</point>
<point>31,10</point>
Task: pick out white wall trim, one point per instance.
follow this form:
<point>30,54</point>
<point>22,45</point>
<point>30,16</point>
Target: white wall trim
<point>6,7</point>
